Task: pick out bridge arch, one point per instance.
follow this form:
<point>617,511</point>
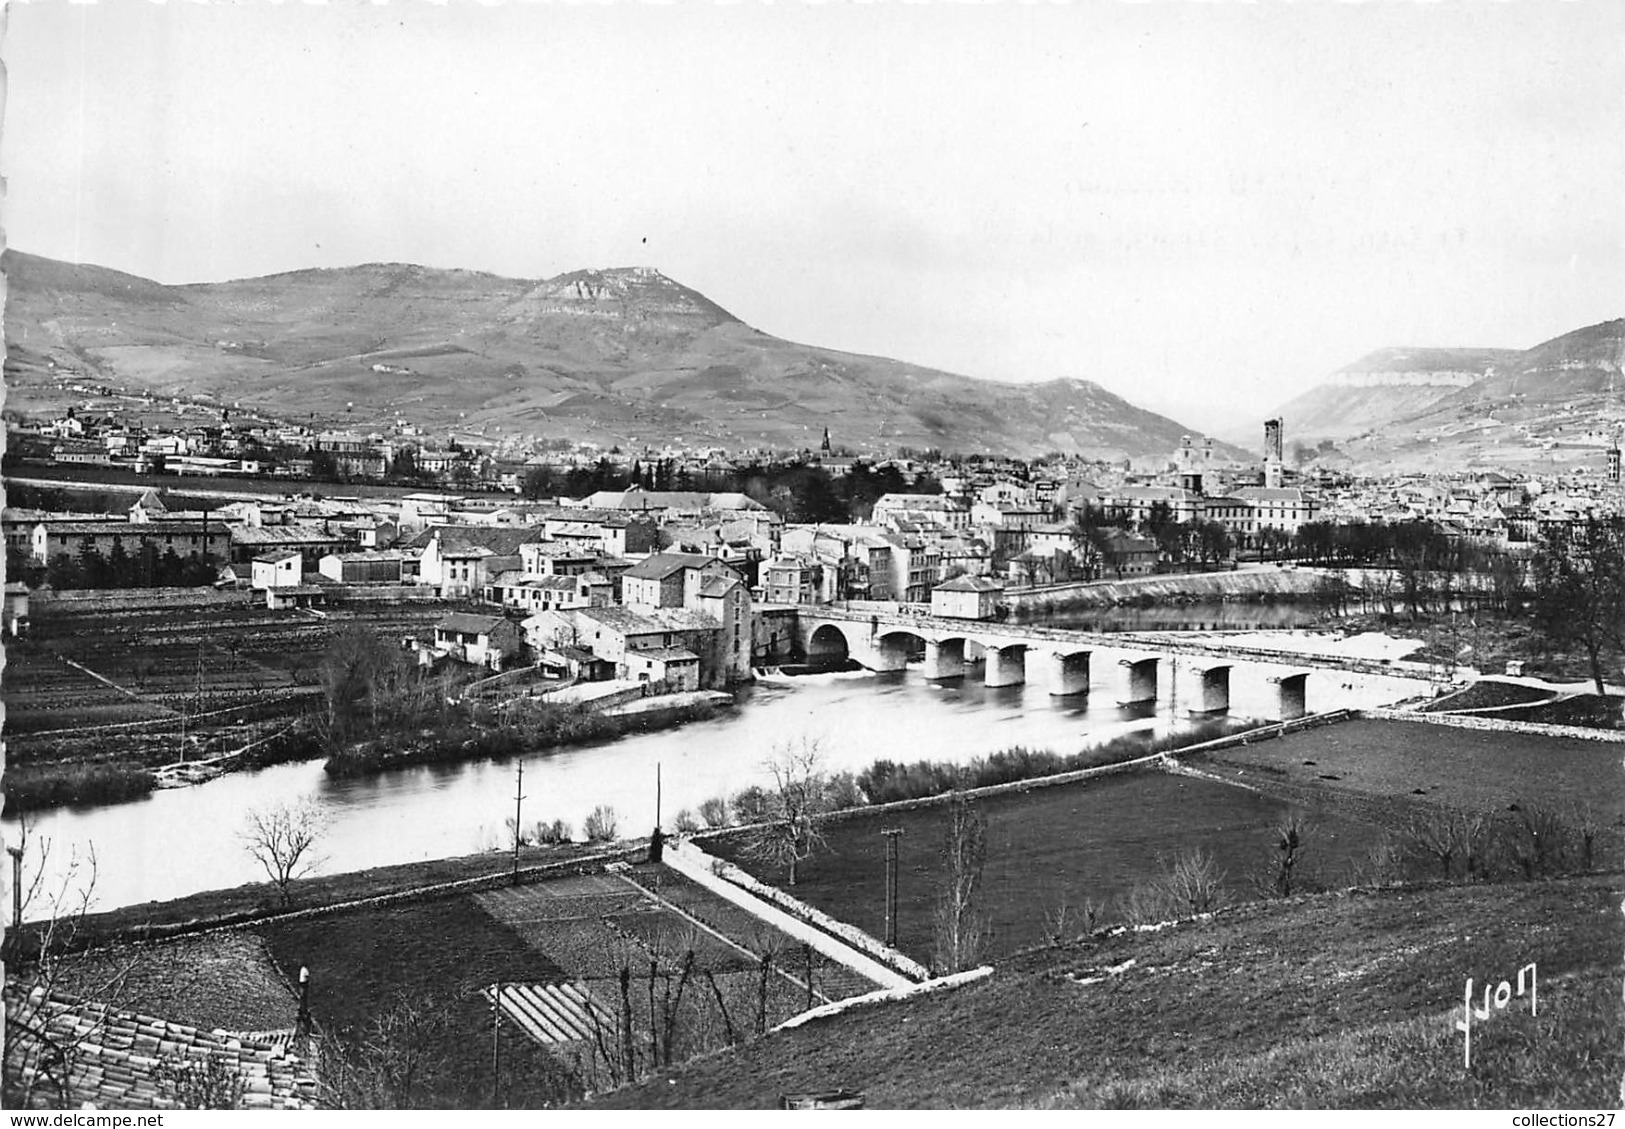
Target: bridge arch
<point>828,644</point>
<point>894,648</point>
<point>948,658</point>
<point>1293,692</point>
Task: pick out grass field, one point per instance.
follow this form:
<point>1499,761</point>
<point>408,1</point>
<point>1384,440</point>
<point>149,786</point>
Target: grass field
<point>1467,768</point>
<point>580,929</point>
<point>1334,1001</point>
<point>1489,693</point>
<point>1048,848</point>
<point>436,955</point>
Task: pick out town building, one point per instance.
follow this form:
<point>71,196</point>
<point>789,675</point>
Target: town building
<point>967,597</point>
<point>482,640</point>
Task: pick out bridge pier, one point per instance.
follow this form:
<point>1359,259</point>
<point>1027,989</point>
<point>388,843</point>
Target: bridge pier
<point>1142,681</point>
<point>885,654</point>
<point>1006,666</point>
<point>945,660</point>
<point>1068,674</point>
<point>1291,697</point>
<point>1207,691</point>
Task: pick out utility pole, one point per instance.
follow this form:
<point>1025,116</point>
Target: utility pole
<point>518,799</point>
<point>16,854</point>
<point>891,835</point>
<point>496,1046</point>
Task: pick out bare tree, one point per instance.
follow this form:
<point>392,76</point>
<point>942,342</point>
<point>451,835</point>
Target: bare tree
<point>1579,591</point>
<point>800,793</point>
<point>1192,883</point>
<point>385,1064</point>
<point>47,966</point>
<point>961,928</point>
<point>1446,836</point>
<point>282,839</point>
<point>1284,875</point>
<point>207,1083</point>
<point>1063,921</point>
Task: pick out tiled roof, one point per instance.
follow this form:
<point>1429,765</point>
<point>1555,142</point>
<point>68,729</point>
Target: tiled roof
<point>970,584</point>
<point>667,654</point>
<point>662,565</point>
<point>503,540</point>
<point>284,535</point>
<point>624,620</point>
<point>122,1058</point>
<point>466,623</point>
<point>718,586</point>
<point>682,619</point>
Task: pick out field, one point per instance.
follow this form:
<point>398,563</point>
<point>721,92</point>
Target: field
<point>1466,768</point>
<point>1049,850</point>
<point>1082,848</point>
<point>581,931</point>
<point>251,668</point>
<point>1334,1001</point>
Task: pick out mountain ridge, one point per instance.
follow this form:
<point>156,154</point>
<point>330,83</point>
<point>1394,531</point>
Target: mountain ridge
<point>625,354</point>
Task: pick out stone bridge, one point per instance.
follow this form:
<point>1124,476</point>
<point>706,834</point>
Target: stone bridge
<point>1194,673</point>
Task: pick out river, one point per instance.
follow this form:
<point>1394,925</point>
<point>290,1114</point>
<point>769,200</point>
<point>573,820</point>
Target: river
<point>180,841</point>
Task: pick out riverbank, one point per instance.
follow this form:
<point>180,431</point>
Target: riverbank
<point>545,729</point>
<point>1260,584</point>
<point>116,777</point>
<point>260,901</point>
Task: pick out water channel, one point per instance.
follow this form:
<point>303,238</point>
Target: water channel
<point>180,841</point>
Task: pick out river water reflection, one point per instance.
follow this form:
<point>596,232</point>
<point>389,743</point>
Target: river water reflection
<point>184,840</point>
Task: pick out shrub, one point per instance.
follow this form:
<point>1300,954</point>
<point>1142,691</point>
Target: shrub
<point>685,822</point>
<point>843,792</point>
<point>601,824</point>
<point>556,832</point>
<point>715,812</point>
<point>752,805</point>
<point>45,785</point>
<point>1193,883</point>
<point>1190,883</point>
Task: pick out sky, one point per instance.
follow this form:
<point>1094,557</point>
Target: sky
<point>1204,207</point>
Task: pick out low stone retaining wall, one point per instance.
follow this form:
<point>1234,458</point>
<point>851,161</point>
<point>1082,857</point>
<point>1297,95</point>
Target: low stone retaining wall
<point>1499,725</point>
<point>1250,583</point>
<point>886,996</point>
<point>80,601</point>
<point>196,928</point>
<point>1242,737</point>
<point>727,881</point>
<point>254,710</point>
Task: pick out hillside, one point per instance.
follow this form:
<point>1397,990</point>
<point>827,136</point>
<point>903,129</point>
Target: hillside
<point>614,356</point>
<point>1552,407</point>
<point>1384,387</point>
<point>1333,1001</point>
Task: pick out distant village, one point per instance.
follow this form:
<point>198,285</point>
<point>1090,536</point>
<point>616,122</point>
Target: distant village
<point>653,580</point>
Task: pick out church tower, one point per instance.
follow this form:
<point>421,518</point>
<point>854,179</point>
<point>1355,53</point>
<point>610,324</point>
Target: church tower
<point>1272,453</point>
<point>825,446</point>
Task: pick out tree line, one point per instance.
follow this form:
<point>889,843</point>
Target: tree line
<point>798,491</point>
<point>119,568</point>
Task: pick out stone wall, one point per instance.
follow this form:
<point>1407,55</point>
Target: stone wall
<point>1500,725</point>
